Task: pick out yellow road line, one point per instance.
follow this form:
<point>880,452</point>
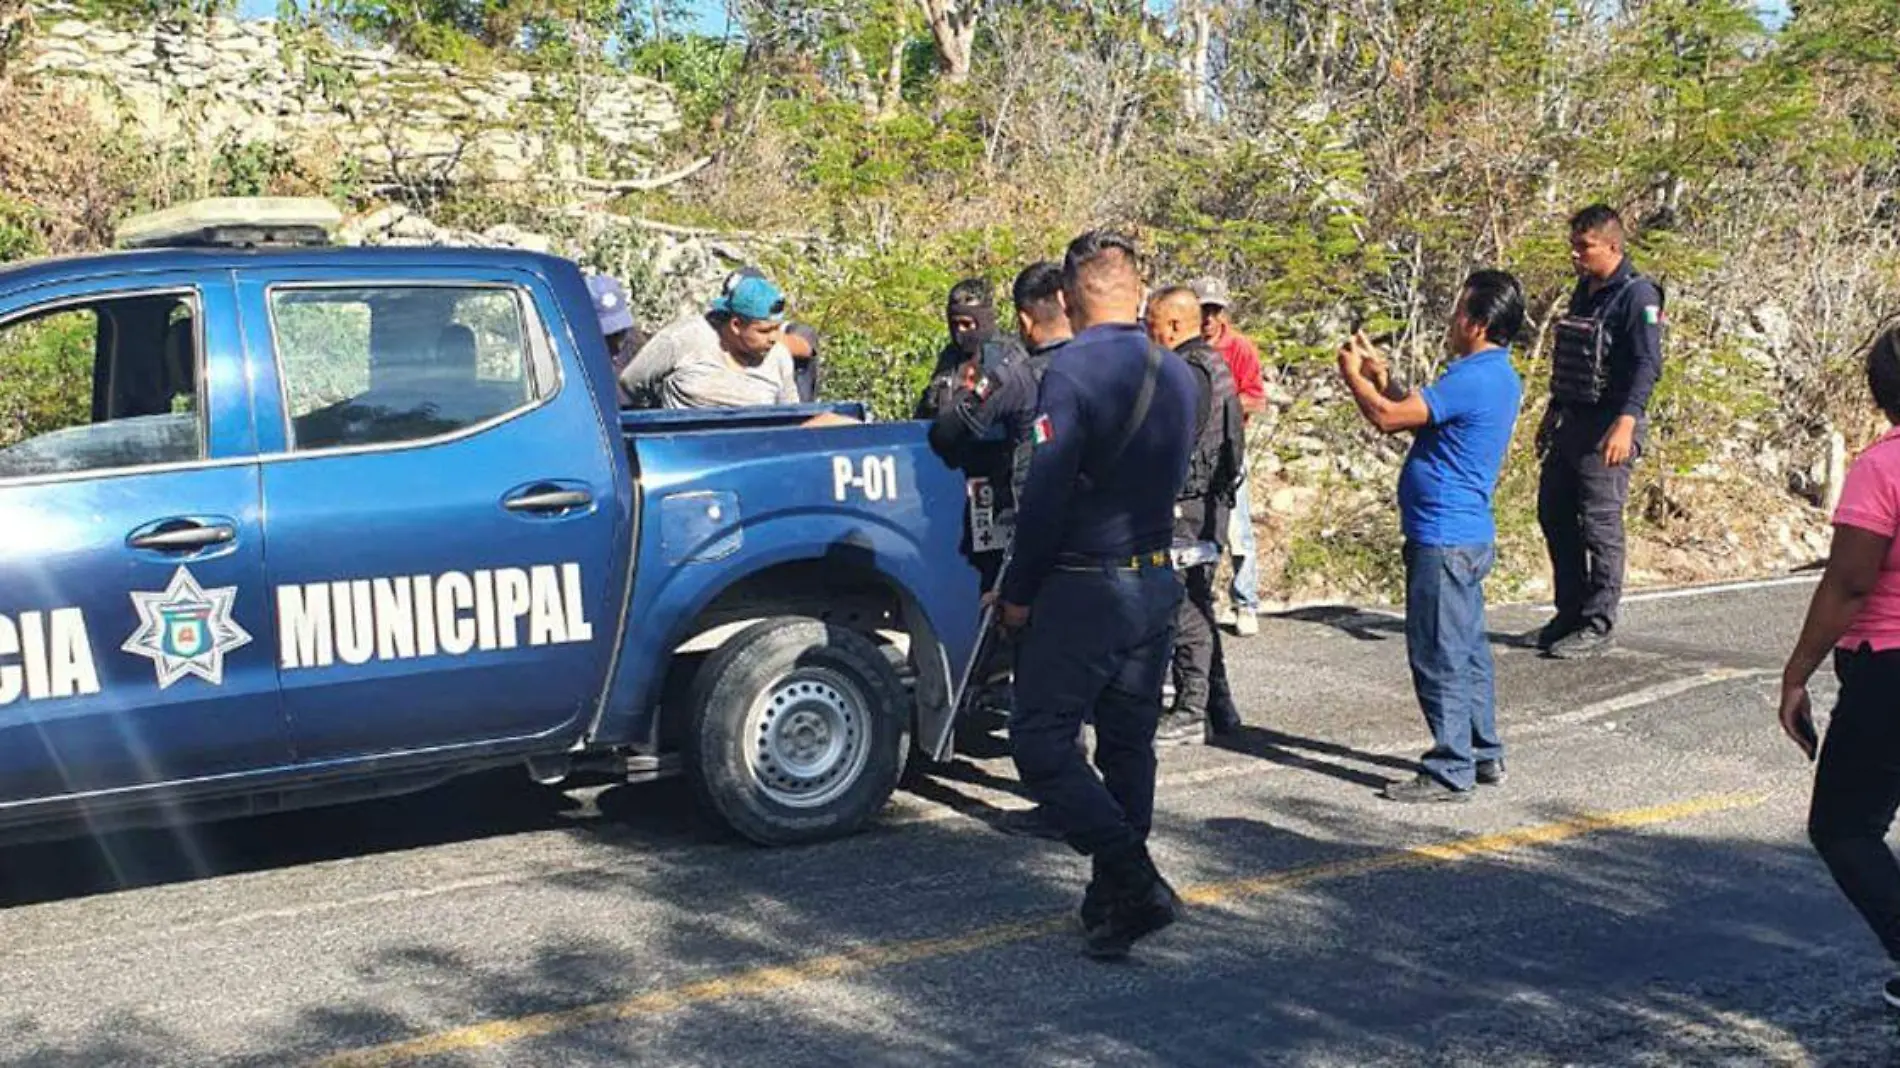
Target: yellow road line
<point>757,982</point>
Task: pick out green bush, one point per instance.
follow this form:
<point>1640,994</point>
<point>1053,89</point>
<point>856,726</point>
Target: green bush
<point>882,310</point>
<point>19,231</point>
<point>699,70</point>
<point>46,375</point>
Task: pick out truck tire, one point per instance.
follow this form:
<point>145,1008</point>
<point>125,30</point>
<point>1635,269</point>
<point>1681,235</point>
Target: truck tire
<point>798,731</point>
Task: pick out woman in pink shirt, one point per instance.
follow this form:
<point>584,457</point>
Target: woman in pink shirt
<point>1855,615</point>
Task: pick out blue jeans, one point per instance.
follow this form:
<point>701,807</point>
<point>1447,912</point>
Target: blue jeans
<point>1096,649</point>
<point>1245,589</point>
<point>1450,655</point>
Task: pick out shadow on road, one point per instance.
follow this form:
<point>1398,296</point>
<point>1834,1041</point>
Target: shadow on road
<point>488,805</point>
<point>1612,948</point>
<point>1369,626</point>
<point>1305,754</point>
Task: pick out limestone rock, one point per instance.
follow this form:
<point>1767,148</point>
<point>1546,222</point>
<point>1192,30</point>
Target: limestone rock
<point>230,82</point>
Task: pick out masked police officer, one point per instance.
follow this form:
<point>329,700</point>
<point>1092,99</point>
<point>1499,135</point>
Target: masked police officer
<point>1091,589</point>
<point>1606,360</point>
<point>1006,397</point>
<point>1006,400</point>
<point>976,348</point>
<point>1203,705</point>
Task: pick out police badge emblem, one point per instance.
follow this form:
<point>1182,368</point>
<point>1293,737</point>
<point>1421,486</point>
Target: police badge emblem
<point>186,630</point>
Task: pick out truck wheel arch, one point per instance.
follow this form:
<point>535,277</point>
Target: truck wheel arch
<point>847,594</point>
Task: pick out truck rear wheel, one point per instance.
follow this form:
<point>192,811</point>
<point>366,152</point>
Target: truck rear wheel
<point>798,731</point>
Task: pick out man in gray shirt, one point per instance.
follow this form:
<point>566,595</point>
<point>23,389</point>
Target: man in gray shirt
<point>733,356</point>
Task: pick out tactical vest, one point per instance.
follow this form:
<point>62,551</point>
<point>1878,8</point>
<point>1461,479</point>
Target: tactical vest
<point>1580,359</point>
<point>1207,463</point>
<point>1579,364</point>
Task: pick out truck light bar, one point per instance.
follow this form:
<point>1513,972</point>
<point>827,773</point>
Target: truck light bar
<point>234,222</point>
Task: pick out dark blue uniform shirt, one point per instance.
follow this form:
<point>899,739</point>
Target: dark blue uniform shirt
<point>1074,501</point>
<point>1630,310</point>
<point>1003,399</point>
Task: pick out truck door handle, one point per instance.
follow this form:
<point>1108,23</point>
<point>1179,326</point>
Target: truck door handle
<point>182,536</point>
<point>549,501</point>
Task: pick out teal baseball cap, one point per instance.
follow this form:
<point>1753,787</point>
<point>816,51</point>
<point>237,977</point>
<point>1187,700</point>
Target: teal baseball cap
<point>752,297</point>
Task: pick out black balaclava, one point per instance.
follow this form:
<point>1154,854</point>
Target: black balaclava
<point>971,302</point>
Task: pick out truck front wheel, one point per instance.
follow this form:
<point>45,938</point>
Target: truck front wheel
<point>798,733</point>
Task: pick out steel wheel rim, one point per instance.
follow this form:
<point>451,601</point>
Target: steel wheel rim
<point>808,738</point>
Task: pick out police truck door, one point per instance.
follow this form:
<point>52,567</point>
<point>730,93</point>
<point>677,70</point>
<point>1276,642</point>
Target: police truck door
<point>442,522</point>
<point>135,624</point>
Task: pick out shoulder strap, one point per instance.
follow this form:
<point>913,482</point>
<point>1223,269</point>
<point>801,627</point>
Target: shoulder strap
<point>1139,413</point>
<point>1662,298</point>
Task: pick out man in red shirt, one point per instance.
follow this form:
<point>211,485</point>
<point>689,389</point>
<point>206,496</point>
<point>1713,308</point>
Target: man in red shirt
<point>1243,359</point>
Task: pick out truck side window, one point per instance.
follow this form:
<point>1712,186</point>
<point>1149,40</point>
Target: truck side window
<point>386,364</point>
<point>100,385</point>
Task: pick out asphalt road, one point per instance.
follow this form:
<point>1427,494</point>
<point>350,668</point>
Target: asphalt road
<point>1640,892</point>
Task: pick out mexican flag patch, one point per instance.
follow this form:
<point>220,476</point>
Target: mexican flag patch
<point>1652,314</point>
<point>1043,431</point>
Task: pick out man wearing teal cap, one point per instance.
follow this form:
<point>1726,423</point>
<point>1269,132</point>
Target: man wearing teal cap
<point>733,356</point>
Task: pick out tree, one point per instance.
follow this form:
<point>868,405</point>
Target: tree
<point>953,26</point>
<point>1196,22</point>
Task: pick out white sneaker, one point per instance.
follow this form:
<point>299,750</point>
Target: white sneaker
<point>1224,616</point>
<point>1247,625</point>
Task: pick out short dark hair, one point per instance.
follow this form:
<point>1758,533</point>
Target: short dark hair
<point>1167,293</point>
<point>1883,370</point>
<point>1495,299</point>
<point>1093,247</point>
<point>972,293</point>
<point>1595,219</point>
<point>1034,292</point>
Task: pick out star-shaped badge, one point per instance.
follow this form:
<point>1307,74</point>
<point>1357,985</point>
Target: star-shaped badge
<point>186,630</point>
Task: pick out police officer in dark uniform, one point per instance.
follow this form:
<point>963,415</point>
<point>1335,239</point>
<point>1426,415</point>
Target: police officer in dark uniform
<point>1091,588</point>
<point>976,348</point>
<point>1607,358</point>
<point>960,434</point>
<point>1006,398</point>
<point>980,411</point>
<point>1204,706</point>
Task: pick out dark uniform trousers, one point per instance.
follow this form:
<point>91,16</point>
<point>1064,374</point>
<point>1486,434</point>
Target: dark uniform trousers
<point>1096,648</point>
<point>1580,503</point>
<point>1200,669</point>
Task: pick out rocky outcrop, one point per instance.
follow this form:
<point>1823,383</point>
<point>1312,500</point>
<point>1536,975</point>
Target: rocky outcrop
<point>228,82</point>
<point>666,269</point>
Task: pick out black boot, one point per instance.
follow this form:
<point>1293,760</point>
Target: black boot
<point>1093,912</point>
<point>1223,720</point>
<point>1140,902</point>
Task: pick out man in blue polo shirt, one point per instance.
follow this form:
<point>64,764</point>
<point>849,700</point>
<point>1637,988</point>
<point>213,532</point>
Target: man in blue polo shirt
<point>1463,424</point>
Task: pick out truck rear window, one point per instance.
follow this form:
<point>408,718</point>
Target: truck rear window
<point>386,364</point>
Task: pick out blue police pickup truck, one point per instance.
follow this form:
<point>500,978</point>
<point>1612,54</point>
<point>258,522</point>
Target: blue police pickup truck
<point>285,524</point>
